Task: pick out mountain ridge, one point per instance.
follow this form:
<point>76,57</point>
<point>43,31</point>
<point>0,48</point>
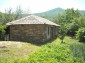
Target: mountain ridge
<point>51,13</point>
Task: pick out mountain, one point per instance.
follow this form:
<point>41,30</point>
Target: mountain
<point>51,13</point>
<point>82,12</point>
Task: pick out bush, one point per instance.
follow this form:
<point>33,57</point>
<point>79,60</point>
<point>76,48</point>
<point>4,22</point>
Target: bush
<point>78,51</point>
<point>72,28</point>
<point>53,54</point>
<point>2,31</point>
<point>49,53</point>
<point>81,34</point>
<point>2,28</point>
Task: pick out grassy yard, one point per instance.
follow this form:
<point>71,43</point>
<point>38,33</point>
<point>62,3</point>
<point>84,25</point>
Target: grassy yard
<point>11,49</point>
<point>52,52</point>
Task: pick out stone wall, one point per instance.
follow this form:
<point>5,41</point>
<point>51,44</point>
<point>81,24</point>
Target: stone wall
<point>32,33</point>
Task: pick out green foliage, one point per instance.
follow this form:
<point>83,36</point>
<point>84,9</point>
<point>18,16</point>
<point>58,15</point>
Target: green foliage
<point>70,14</point>
<point>78,51</point>
<point>51,13</point>
<point>52,54</point>
<point>72,20</point>
<point>57,54</point>
<point>7,16</point>
<point>80,21</point>
<point>1,15</point>
<point>62,32</point>
<point>2,28</point>
<point>11,15</point>
<point>81,34</point>
<point>72,28</point>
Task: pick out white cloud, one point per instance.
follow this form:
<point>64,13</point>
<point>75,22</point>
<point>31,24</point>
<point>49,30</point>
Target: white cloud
<point>41,5</point>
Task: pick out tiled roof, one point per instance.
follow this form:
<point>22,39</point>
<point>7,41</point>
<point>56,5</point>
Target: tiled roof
<point>32,19</point>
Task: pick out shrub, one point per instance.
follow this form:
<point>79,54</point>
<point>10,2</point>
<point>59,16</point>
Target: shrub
<point>72,28</point>
<point>2,31</point>
<point>81,34</point>
<point>52,54</point>
<point>78,50</point>
<point>2,28</point>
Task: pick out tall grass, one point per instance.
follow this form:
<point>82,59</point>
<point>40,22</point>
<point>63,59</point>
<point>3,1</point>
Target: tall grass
<point>78,50</point>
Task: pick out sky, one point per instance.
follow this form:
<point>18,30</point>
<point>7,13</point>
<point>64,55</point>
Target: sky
<point>37,6</point>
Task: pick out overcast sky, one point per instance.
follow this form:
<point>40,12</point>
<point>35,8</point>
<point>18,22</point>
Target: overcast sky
<point>36,6</point>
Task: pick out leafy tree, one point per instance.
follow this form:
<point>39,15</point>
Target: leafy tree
<point>1,17</point>
<point>11,15</point>
<point>81,34</point>
<point>2,28</point>
<point>72,28</point>
<point>62,32</point>
<point>80,21</point>
<point>73,20</point>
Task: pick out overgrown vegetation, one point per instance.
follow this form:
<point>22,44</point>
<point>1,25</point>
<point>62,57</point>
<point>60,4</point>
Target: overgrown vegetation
<point>78,51</point>
<point>2,31</point>
<point>56,52</point>
<point>2,28</point>
<point>52,54</point>
<point>81,34</point>
<point>71,20</point>
<point>64,53</point>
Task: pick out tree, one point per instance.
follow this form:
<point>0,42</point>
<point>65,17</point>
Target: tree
<point>18,12</point>
<point>73,20</point>
<point>8,16</point>
<point>62,32</point>
<point>2,31</point>
<point>81,34</point>
<point>1,16</point>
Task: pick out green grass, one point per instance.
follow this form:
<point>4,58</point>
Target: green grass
<point>71,51</point>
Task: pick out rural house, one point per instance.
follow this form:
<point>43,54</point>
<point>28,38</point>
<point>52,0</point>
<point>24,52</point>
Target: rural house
<point>32,28</point>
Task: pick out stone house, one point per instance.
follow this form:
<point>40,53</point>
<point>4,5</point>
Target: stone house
<point>32,28</point>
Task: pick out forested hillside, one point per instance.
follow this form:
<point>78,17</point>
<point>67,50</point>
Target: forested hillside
<point>51,13</point>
